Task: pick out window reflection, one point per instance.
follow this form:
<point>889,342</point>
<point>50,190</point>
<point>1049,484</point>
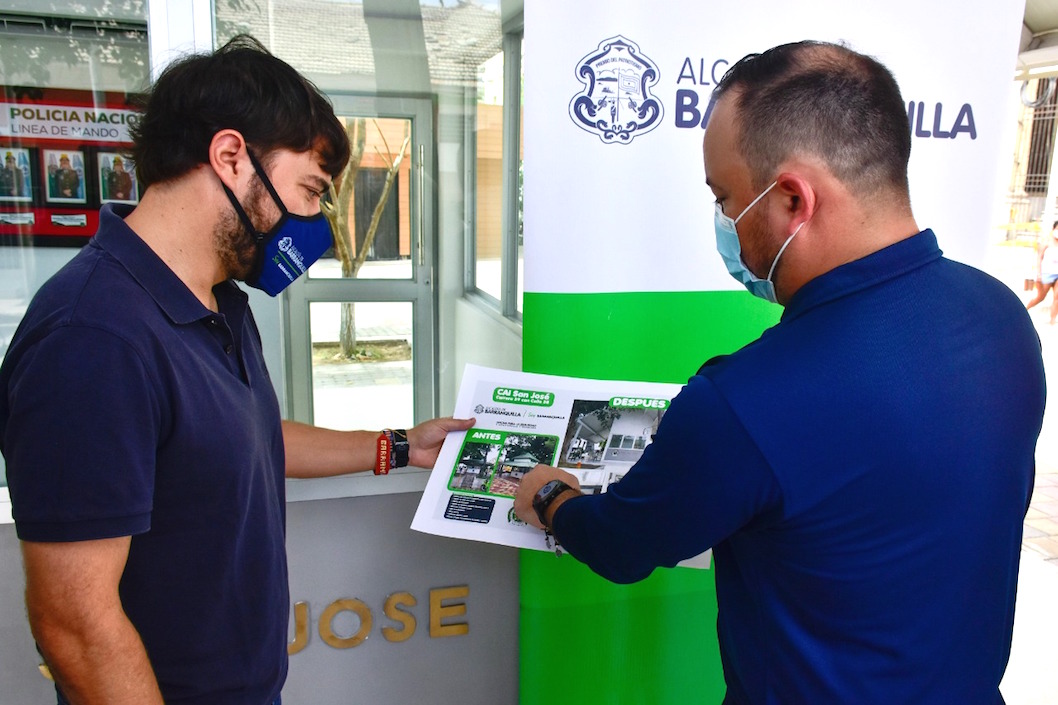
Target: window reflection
<point>84,49</point>
<point>373,46</point>
<point>488,225</point>
<point>371,212</point>
<point>66,73</point>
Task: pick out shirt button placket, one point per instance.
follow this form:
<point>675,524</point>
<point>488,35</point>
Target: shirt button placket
<point>223,335</point>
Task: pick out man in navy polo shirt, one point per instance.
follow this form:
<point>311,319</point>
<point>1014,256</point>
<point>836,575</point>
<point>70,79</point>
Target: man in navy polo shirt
<point>862,471</point>
<point>145,451</point>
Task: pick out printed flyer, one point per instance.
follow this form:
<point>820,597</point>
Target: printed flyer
<point>593,429</point>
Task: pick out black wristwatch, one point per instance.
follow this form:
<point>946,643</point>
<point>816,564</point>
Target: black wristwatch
<point>546,496</point>
<point>401,448</point>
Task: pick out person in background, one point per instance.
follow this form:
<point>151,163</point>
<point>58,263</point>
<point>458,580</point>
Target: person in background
<point>1047,272</point>
<point>862,470</point>
<point>145,451</point>
<point>12,181</point>
<point>119,181</point>
<point>67,181</point>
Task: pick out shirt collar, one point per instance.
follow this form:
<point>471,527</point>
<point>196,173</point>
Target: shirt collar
<point>885,264</point>
<point>150,272</point>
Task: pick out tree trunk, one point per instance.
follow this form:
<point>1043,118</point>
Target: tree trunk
<point>344,230</point>
<point>344,236</point>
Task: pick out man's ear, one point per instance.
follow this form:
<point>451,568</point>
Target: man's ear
<point>228,158</point>
<point>798,199</point>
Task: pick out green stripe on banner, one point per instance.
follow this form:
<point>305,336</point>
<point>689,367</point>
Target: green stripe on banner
<point>582,639</point>
<point>648,337</point>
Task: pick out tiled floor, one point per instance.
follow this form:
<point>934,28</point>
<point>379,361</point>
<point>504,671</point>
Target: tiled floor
<point>1041,523</point>
<point>1031,677</point>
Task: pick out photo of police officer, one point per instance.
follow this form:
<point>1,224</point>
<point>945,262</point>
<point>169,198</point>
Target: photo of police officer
<point>117,178</point>
<point>15,175</point>
<point>65,170</point>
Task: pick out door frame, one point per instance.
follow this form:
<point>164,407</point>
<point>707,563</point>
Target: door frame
<point>419,290</point>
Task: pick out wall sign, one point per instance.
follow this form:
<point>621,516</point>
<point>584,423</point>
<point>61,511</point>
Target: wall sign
<point>63,158</point>
<point>446,608</point>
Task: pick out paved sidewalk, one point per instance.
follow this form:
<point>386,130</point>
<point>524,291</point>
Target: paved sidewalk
<point>1041,522</point>
<point>362,374</point>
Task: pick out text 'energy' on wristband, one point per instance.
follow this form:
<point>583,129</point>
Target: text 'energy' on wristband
<point>383,453</point>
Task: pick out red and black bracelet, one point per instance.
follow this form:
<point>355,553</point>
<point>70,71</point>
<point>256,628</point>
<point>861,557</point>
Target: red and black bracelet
<point>383,453</point>
<point>391,450</point>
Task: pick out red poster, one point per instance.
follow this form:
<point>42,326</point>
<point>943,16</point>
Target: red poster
<point>63,156</point>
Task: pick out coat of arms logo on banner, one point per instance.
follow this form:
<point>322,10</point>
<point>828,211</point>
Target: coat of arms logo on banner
<point>616,103</point>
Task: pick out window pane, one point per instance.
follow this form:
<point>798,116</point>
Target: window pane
<point>521,252</point>
<point>362,364</point>
<point>85,48</point>
<point>521,179</point>
<point>373,204</point>
<point>65,76</point>
<point>488,223</point>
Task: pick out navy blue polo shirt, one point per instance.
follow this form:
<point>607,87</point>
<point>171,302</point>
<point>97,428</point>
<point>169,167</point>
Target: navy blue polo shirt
<point>862,473</point>
<point>128,408</point>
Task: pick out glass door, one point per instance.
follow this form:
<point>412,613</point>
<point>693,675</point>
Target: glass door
<point>360,326</point>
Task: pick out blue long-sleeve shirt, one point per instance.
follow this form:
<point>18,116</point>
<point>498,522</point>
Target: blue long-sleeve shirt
<point>862,472</point>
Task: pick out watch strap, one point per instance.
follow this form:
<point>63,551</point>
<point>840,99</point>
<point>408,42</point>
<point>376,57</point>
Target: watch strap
<point>401,448</point>
<point>546,496</point>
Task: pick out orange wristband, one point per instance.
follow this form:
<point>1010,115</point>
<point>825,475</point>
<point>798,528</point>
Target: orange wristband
<point>382,453</point>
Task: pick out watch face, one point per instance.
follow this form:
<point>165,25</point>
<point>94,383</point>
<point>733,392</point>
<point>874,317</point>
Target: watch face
<point>546,489</point>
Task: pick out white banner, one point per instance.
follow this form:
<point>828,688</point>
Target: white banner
<point>28,122</point>
<point>629,210</point>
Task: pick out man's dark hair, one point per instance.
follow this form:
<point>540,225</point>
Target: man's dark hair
<point>240,86</point>
<point>827,101</point>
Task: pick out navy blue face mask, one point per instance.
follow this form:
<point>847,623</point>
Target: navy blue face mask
<point>289,248</point>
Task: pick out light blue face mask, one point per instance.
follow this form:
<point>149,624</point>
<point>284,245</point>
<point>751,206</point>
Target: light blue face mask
<point>730,250</point>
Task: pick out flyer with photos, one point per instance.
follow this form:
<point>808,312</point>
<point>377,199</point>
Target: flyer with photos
<point>594,429</point>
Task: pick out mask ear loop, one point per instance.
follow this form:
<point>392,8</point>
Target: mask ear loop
<point>254,233</point>
<point>265,180</point>
<point>755,201</point>
<point>258,236</point>
<point>782,249</point>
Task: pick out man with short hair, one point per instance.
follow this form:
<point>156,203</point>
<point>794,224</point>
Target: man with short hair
<point>861,471</point>
<point>145,451</point>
